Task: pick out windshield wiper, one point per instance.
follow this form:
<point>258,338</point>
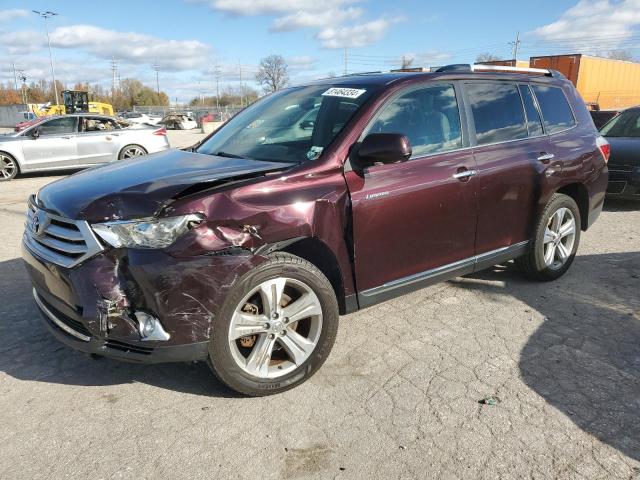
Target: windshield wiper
<point>228,155</point>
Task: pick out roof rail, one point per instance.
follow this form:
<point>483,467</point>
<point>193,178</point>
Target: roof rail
<point>465,67</point>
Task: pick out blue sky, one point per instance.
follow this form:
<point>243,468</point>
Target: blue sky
<point>187,38</point>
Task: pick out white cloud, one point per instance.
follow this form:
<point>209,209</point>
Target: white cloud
<point>590,22</point>
<point>270,7</point>
<point>132,47</point>
<point>306,19</point>
<point>13,13</point>
<point>354,36</point>
<point>329,17</point>
<point>301,63</point>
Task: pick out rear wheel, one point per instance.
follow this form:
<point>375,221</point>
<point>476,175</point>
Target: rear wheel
<point>276,327</point>
<point>556,240</point>
<point>131,151</point>
<point>8,167</point>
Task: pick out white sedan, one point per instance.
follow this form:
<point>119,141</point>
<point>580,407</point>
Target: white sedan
<point>141,118</point>
<point>73,142</point>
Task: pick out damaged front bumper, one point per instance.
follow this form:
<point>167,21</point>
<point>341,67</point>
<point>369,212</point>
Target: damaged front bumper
<point>98,306</point>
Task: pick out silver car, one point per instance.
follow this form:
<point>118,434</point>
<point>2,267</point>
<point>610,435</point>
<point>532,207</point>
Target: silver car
<point>73,142</point>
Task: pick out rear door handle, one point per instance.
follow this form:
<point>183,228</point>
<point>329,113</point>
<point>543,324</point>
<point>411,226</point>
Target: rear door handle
<point>465,174</point>
<point>546,157</point>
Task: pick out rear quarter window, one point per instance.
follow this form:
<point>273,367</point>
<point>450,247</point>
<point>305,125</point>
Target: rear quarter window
<point>497,110</point>
<point>556,112</point>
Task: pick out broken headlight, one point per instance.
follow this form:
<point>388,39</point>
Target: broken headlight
<point>148,232</point>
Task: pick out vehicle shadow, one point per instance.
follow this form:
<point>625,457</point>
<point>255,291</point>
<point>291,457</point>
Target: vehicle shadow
<point>585,358</point>
<point>29,352</point>
<point>618,205</point>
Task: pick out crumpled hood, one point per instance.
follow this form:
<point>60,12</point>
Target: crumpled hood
<point>140,187</point>
<point>624,151</point>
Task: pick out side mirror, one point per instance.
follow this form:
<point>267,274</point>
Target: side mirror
<point>384,148</point>
<point>34,133</point>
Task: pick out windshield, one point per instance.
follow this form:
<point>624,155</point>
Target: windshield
<point>627,124</point>
<point>293,125</point>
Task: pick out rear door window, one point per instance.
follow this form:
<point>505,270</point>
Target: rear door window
<point>497,110</point>
<point>428,117</point>
<point>555,108</point>
<point>534,122</point>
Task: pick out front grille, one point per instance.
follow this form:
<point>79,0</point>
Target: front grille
<point>128,348</point>
<point>616,187</point>
<point>68,321</point>
<point>68,325</point>
<point>621,168</point>
<point>59,240</point>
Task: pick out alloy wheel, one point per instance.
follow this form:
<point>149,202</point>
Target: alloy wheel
<point>275,328</point>
<point>8,167</point>
<point>559,238</point>
<point>133,152</point>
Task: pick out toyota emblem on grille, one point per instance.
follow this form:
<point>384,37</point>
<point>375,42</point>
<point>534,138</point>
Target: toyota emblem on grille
<point>38,223</point>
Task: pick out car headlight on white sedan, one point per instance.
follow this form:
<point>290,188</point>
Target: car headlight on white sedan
<point>147,232</point>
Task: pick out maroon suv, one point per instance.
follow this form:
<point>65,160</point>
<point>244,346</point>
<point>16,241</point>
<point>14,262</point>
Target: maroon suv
<point>315,201</point>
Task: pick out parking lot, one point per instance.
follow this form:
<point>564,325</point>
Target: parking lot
<point>487,376</point>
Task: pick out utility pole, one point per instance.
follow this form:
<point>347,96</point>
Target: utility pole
<point>15,77</point>
<point>516,46</point>
<point>23,77</point>
<point>241,86</point>
<point>155,67</point>
<point>216,74</point>
<point>345,60</point>
<point>114,71</point>
<point>46,16</point>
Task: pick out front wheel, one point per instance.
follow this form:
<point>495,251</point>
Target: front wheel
<point>276,327</point>
<point>555,241</point>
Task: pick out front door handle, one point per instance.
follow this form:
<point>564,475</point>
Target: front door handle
<point>465,174</point>
<point>546,157</point>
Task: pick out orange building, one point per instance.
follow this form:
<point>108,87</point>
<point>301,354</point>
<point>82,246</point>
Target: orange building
<point>604,83</point>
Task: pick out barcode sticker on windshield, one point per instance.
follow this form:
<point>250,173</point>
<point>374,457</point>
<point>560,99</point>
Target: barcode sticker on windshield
<point>343,92</point>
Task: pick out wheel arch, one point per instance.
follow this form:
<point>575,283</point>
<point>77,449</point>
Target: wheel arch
<point>315,251</point>
<point>579,193</point>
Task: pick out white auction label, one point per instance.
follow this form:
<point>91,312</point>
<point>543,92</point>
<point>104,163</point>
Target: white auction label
<point>343,92</point>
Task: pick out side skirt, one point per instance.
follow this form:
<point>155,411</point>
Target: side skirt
<point>420,280</point>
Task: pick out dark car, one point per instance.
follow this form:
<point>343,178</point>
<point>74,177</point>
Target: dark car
<point>245,251</point>
<point>600,117</point>
<point>623,133</point>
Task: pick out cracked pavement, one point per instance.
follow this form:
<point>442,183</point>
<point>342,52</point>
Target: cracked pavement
<point>397,399</point>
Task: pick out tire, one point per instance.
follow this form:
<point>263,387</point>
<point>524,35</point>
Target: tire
<point>9,167</point>
<point>553,249</point>
<point>235,347</point>
<point>131,151</point>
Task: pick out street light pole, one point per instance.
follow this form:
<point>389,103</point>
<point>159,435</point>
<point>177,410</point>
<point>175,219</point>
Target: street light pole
<point>47,15</point>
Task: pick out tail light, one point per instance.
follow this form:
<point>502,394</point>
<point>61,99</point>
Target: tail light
<point>162,132</point>
<point>605,148</point>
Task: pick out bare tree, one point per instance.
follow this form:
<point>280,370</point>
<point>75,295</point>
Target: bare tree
<point>406,61</point>
<point>486,57</point>
<point>620,55</point>
<point>272,74</point>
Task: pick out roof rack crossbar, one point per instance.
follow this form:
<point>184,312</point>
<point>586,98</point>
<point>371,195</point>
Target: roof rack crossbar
<point>463,67</point>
